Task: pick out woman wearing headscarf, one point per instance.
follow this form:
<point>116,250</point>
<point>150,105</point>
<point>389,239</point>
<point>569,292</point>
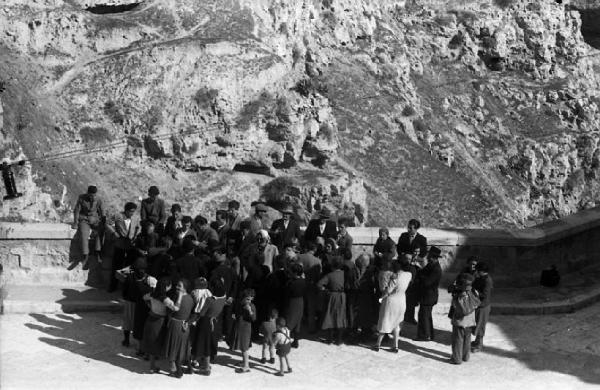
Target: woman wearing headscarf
<point>384,245</point>
<point>334,318</point>
<point>364,303</point>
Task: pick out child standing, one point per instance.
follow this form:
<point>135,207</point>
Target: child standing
<point>462,315</point>
<point>283,345</point>
<point>267,328</point>
<point>245,315</point>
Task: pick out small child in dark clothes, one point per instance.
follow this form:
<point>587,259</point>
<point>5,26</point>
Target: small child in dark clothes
<point>267,328</point>
<point>283,345</point>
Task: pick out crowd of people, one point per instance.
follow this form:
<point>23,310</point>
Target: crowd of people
<point>189,283</point>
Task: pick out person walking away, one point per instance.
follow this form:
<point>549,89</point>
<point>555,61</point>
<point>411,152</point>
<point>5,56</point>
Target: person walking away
<point>88,218</point>
<point>153,209</point>
<point>428,281</point>
<point>483,286</point>
<point>241,339</point>
<point>393,302</point>
<point>334,319</point>
<point>461,320</point>
<point>283,344</point>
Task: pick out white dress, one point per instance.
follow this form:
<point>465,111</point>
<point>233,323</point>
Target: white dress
<point>391,311</point>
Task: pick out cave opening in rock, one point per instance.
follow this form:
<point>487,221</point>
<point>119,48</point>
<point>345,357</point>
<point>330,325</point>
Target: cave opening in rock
<point>102,9</point>
<point>250,168</point>
<point>590,26</point>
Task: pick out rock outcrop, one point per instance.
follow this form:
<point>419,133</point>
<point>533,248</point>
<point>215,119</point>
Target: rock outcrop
<point>469,113</point>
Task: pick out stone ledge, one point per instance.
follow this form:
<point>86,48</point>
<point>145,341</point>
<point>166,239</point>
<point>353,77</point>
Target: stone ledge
<point>529,237</point>
<point>35,231</point>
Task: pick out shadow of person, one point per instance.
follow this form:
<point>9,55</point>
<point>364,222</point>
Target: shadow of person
<point>226,358</point>
<point>423,351</point>
<point>580,364</point>
<point>87,335</point>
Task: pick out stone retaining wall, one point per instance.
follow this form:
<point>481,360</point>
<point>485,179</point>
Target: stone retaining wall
<point>41,253</point>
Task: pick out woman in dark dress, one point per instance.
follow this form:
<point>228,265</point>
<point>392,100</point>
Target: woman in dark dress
<point>205,342</point>
<point>294,293</point>
<point>366,300</point>
<point>137,284</point>
<point>334,319</point>
<point>245,315</point>
<point>153,336</point>
<point>178,328</point>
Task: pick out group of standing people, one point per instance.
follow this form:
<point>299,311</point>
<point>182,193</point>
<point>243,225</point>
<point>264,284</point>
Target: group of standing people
<point>188,283</point>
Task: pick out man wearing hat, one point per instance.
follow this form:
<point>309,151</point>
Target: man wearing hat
<point>285,229</point>
<point>256,221</point>
<point>428,281</point>
<point>321,227</point>
<point>88,218</point>
<point>153,209</point>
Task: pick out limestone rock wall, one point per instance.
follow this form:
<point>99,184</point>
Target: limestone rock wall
<point>464,113</point>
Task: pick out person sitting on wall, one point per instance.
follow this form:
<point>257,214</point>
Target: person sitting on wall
<point>153,209</point>
<point>88,218</point>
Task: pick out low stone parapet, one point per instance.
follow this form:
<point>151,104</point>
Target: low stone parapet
<point>42,252</point>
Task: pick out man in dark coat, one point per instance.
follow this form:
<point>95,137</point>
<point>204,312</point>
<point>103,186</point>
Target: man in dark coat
<point>414,244</point>
<point>344,240</point>
<point>312,272</point>
<point>410,240</point>
<point>189,266</point>
<point>284,230</point>
<point>483,285</point>
<point>174,221</point>
<point>153,209</point>
<point>321,227</point>
<point>428,281</point>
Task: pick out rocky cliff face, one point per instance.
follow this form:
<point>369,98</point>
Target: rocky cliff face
<point>468,113</point>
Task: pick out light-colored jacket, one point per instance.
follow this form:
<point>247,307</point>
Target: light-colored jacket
<point>125,236</point>
<point>466,321</point>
